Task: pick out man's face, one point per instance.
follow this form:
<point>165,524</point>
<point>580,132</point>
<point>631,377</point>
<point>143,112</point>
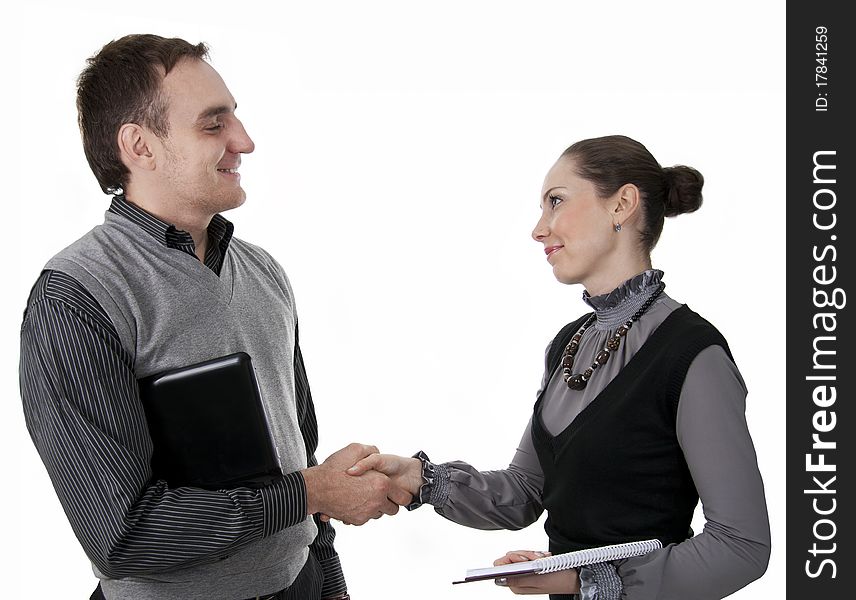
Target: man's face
<point>202,151</point>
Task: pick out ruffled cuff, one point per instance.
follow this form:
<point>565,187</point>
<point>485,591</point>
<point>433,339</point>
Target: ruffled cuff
<point>600,581</point>
<point>435,483</point>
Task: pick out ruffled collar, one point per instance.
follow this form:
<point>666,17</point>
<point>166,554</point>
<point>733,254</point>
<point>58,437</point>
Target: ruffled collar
<point>616,307</point>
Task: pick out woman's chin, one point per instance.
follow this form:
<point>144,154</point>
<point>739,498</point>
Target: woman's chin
<point>565,277</point>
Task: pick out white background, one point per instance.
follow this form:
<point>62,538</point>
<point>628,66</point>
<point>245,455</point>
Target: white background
<point>400,150</point>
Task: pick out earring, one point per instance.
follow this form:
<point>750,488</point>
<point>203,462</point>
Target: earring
<point>617,227</point>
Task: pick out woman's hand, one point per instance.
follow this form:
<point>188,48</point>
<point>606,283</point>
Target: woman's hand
<point>559,582</point>
<point>406,473</point>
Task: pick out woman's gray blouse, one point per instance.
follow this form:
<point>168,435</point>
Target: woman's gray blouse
<point>734,546</point>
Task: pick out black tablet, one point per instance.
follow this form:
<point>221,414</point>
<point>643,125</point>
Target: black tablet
<point>208,426</point>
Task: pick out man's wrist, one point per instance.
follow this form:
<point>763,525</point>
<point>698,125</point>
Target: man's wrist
<point>311,480</point>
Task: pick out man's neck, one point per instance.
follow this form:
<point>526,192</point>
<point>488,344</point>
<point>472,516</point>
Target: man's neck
<point>185,220</point>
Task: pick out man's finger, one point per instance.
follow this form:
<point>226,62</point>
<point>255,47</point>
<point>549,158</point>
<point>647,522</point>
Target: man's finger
<point>366,450</point>
<point>357,451</point>
<point>369,450</point>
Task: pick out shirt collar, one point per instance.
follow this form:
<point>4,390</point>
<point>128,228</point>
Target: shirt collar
<point>616,307</point>
<point>219,230</point>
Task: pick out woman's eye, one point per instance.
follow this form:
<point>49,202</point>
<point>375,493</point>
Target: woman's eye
<point>554,201</point>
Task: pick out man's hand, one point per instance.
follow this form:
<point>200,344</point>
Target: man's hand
<point>355,500</point>
<point>558,582</point>
<point>404,472</point>
<point>347,456</point>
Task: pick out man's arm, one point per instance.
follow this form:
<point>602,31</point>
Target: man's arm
<point>83,412</point>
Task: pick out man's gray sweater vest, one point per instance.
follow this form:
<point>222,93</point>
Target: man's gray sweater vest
<point>170,310</point>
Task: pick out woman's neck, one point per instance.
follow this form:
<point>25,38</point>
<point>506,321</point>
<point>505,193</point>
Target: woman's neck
<point>607,280</point>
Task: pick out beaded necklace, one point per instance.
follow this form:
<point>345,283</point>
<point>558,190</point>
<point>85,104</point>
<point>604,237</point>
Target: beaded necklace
<point>580,380</point>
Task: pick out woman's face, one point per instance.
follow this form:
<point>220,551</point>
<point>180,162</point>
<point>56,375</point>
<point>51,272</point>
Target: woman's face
<point>576,226</point>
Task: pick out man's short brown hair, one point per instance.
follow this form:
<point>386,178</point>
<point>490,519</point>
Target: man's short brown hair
<point>122,84</point>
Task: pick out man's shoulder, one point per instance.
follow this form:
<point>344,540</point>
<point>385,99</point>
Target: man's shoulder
<point>65,294</point>
<point>243,246</point>
<point>56,285</point>
<point>84,240</point>
<point>57,281</point>
<point>94,242</point>
<point>260,261</point>
<point>256,253</point>
<point>90,274</point>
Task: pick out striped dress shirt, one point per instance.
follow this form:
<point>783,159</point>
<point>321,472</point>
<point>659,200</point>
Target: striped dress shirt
<point>77,384</point>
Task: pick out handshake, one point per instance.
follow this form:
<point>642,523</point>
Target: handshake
<point>356,484</point>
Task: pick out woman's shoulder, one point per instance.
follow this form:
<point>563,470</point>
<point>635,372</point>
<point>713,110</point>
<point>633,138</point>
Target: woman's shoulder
<point>688,332</point>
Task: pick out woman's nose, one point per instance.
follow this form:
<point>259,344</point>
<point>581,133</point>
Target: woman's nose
<point>541,230</point>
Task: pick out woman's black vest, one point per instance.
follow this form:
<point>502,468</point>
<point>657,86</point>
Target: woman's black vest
<point>616,473</point>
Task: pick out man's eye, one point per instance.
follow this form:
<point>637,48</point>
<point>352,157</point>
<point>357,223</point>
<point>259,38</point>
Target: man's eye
<point>216,127</point>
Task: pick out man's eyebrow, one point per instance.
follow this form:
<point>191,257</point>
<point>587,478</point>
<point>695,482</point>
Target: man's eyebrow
<point>215,111</point>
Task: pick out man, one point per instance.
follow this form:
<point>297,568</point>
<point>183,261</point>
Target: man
<point>162,284</point>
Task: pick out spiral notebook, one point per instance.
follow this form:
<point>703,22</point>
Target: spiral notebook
<point>561,562</point>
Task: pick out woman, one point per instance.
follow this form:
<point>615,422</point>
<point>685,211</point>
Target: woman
<point>641,408</point>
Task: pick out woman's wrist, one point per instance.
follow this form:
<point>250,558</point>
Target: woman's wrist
<point>413,478</point>
<point>600,581</point>
<point>434,487</point>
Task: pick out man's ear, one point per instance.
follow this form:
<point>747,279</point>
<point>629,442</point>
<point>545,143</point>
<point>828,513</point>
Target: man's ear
<point>135,149</point>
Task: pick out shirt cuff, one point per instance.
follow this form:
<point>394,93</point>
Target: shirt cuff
<point>600,581</point>
<point>334,580</point>
<point>284,503</point>
<point>436,483</point>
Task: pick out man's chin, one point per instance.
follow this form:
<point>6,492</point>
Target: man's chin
<point>233,201</point>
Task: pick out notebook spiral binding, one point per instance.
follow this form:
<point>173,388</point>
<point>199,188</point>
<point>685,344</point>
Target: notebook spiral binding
<point>562,562</point>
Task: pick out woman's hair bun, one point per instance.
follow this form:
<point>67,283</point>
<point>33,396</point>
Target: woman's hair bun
<point>683,190</point>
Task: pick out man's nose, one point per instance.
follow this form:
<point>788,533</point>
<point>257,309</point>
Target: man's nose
<point>241,143</point>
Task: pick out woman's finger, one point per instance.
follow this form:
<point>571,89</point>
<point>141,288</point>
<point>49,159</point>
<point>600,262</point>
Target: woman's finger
<point>516,556</point>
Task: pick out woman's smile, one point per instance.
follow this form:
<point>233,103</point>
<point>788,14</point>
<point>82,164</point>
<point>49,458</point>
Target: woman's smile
<point>551,250</point>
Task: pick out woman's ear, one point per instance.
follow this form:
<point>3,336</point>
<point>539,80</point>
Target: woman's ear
<point>625,203</point>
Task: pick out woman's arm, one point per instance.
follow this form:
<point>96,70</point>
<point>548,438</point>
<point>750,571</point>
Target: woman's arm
<point>505,499</point>
<point>734,547</point>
